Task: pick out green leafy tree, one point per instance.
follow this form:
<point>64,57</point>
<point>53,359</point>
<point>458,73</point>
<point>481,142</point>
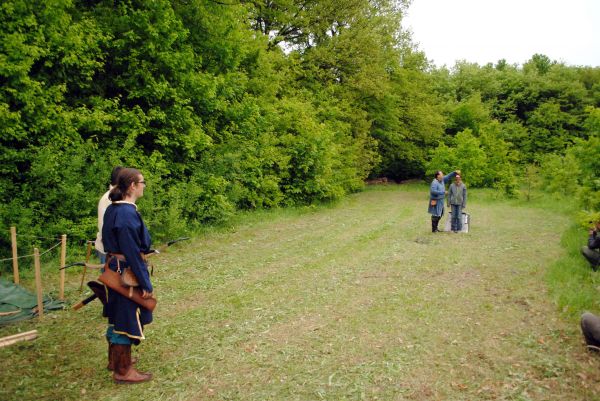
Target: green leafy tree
<point>484,161</point>
<point>465,154</point>
<point>587,155</point>
<point>470,113</point>
<point>538,64</point>
<point>547,126</point>
<point>558,173</point>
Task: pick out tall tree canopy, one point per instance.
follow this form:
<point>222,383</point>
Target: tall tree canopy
<point>229,105</point>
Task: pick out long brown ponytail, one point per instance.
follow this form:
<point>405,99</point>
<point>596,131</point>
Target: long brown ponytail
<point>126,177</point>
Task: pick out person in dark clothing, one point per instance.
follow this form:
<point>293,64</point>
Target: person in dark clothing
<point>126,242</point>
<point>592,251</point>
<point>590,327</point>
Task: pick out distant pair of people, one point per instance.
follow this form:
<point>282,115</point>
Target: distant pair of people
<point>457,199</point>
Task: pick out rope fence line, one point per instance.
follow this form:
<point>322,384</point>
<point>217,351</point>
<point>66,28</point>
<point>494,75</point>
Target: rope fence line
<point>28,256</point>
<point>76,241</point>
<point>62,242</point>
<point>49,249</point>
<point>63,255</point>
<point>37,236</point>
<point>55,238</point>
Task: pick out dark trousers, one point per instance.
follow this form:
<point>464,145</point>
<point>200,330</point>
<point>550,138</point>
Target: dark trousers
<point>435,220</point>
<point>592,256</point>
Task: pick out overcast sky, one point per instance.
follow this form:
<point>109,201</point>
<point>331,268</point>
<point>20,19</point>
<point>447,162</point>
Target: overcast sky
<point>485,31</point>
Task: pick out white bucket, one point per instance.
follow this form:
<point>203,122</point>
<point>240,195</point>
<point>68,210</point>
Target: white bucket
<point>466,220</point>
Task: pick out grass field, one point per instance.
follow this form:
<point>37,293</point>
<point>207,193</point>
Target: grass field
<point>356,301</point>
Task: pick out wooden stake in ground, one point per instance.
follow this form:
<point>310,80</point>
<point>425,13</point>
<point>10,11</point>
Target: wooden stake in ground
<point>63,257</point>
<point>13,239</point>
<point>28,335</point>
<point>38,282</point>
<point>88,253</point>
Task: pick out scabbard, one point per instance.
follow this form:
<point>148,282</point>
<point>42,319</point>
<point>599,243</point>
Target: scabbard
<point>85,302</point>
<point>112,280</point>
<point>99,290</point>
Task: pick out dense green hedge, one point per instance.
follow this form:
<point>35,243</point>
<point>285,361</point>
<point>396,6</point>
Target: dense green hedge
<point>227,106</point>
<point>200,96</point>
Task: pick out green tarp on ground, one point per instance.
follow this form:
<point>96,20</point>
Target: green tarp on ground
<point>16,303</point>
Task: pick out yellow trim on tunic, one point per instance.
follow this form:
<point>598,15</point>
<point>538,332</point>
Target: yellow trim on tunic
<point>137,315</point>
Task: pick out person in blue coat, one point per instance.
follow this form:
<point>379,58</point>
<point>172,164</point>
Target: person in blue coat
<point>437,192</point>
<point>126,242</point>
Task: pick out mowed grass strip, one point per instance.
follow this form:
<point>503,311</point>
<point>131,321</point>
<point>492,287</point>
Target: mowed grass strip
<point>355,301</point>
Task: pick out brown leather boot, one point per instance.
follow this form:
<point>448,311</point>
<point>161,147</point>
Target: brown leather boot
<point>124,372</point>
<point>111,358</point>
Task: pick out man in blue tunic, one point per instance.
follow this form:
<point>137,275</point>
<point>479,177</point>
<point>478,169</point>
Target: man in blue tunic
<point>437,192</point>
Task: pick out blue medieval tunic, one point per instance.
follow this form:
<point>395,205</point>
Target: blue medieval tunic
<point>437,192</point>
<point>124,232</point>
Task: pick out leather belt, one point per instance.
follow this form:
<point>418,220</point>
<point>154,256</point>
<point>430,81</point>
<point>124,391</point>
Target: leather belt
<point>121,257</point>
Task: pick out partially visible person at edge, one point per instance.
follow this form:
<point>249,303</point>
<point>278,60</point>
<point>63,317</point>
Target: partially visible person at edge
<point>590,327</point>
<point>126,242</point>
<point>102,205</point>
<point>436,197</point>
<point>592,251</point>
<point>457,201</point>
